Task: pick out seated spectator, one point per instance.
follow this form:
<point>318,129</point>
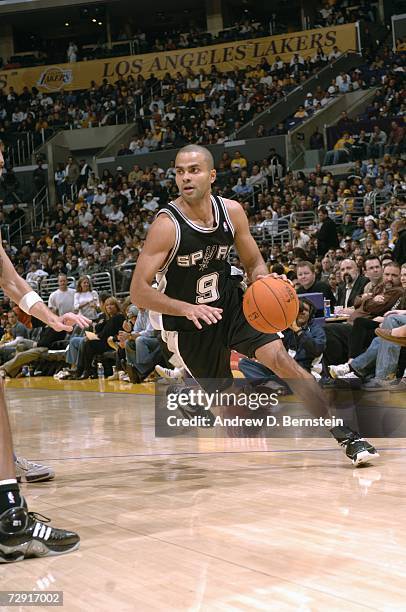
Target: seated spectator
<point>18,332</point>
<point>341,152</point>
<point>381,357</point>
<point>377,141</point>
<point>110,327</point>
<point>306,276</point>
<point>351,287</point>
<point>373,271</point>
<point>142,348</point>
<point>238,162</point>
<point>86,301</point>
<point>352,339</point>
<point>30,351</point>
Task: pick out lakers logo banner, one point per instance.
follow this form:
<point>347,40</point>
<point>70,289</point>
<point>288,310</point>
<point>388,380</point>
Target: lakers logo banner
<point>230,56</point>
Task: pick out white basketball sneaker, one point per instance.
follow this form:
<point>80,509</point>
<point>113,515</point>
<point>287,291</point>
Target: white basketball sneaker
<point>28,471</point>
<point>175,374</point>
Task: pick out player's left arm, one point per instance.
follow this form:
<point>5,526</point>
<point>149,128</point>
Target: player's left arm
<point>246,246</point>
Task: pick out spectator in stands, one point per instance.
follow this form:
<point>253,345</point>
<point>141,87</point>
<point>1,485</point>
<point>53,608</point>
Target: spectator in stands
<point>351,287</point>
<point>396,138</point>
<point>18,332</point>
<point>72,172</point>
<point>61,300</point>
<point>112,325</point>
<point>399,234</point>
<point>316,141</point>
<point>386,364</point>
<point>327,237</point>
<point>86,300</point>
<point>373,271</point>
<point>60,182</point>
<point>31,351</point>
<point>72,52</point>
<point>377,141</point>
<point>142,348</point>
<point>341,152</point>
<point>306,276</point>
<point>238,162</point>
<point>335,54</point>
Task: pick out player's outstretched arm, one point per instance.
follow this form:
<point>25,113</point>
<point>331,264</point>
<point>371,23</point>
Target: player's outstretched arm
<point>246,246</point>
<point>29,301</point>
<point>160,241</point>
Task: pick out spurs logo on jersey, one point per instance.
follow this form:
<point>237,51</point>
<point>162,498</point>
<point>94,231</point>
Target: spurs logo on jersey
<point>197,268</point>
<point>212,252</point>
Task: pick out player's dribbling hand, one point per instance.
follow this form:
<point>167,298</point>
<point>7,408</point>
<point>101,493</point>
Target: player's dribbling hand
<point>208,314</point>
<point>282,276</point>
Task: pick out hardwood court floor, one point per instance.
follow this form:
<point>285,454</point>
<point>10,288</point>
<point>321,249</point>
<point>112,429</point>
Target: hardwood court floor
<point>199,525</point>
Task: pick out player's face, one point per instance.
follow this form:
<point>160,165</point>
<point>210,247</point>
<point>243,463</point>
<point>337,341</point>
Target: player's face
<point>194,176</point>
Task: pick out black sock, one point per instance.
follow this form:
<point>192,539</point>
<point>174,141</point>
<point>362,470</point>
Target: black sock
<point>9,496</point>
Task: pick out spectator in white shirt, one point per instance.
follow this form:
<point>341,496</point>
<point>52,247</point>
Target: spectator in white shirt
<point>85,217</point>
<point>297,57</point>
<point>100,197</point>
<point>309,102</point>
<point>150,203</point>
<point>107,208</point>
<point>72,52</point>
<point>61,300</point>
<point>86,301</point>
<point>335,54</point>
<point>116,215</point>
<point>192,82</point>
<point>256,178</point>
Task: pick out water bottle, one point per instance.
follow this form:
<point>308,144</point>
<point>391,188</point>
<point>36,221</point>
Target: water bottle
<point>100,370</point>
<point>327,309</point>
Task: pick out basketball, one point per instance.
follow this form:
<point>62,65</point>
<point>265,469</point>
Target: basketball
<point>270,305</point>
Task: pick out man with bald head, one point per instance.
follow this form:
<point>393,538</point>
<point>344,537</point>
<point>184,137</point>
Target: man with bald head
<point>352,285</point>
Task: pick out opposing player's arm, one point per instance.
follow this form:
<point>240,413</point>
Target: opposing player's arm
<point>246,246</point>
<point>158,245</point>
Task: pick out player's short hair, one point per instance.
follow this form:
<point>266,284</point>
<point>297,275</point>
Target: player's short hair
<point>371,258</point>
<point>194,148</point>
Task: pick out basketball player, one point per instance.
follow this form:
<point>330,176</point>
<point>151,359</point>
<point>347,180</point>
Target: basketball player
<point>187,249</point>
<point>22,535</point>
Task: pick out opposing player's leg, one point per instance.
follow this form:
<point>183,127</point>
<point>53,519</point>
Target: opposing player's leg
<point>22,534</point>
<point>274,356</point>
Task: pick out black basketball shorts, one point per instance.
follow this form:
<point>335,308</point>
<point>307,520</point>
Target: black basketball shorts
<point>206,353</point>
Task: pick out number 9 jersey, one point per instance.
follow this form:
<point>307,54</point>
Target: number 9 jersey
<point>197,270</point>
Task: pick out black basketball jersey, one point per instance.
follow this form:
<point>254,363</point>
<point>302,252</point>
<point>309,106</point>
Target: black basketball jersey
<point>197,268</point>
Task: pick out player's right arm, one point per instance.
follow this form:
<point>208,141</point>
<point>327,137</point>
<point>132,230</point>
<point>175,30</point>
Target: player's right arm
<point>158,245</point>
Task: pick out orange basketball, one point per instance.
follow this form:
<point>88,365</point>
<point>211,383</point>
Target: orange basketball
<point>270,305</point>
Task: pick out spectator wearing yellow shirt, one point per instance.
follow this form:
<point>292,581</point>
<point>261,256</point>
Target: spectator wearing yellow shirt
<point>238,162</point>
<point>341,151</point>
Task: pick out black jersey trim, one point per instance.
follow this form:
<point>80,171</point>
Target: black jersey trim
<point>175,247</point>
<point>227,215</point>
<point>199,228</point>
